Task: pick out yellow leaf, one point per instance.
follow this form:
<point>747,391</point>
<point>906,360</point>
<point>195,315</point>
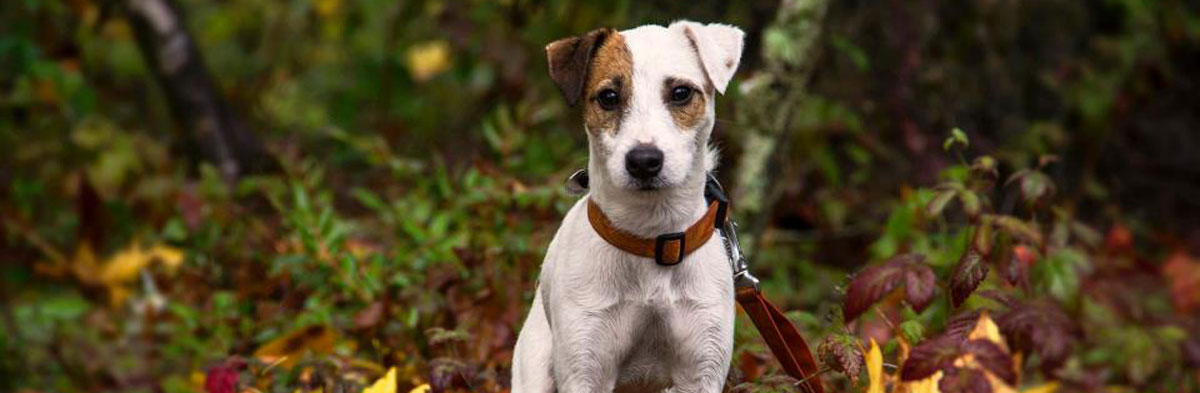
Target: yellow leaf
<point>998,385</point>
<point>170,256</point>
<point>196,379</point>
<point>124,266</point>
<point>424,388</point>
<point>927,385</point>
<point>985,329</point>
<point>875,368</point>
<point>387,384</point>
<point>1049,387</point>
<point>427,60</point>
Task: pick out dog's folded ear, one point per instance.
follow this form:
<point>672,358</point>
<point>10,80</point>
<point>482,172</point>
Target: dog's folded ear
<point>569,60</point>
<point>719,47</point>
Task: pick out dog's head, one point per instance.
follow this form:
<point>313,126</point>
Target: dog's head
<point>647,96</point>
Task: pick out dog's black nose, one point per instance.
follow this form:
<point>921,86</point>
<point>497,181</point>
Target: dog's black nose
<point>644,162</point>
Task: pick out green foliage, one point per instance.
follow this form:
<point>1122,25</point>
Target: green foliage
<point>423,148</point>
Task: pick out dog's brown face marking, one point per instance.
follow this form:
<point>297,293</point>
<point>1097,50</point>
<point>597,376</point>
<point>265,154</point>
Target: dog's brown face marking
<point>685,101</point>
<point>611,72</point>
<point>598,69</point>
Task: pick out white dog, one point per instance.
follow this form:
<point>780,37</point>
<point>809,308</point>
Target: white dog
<point>603,318</point>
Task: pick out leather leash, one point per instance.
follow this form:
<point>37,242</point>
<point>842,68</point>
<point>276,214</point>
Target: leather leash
<point>777,331</point>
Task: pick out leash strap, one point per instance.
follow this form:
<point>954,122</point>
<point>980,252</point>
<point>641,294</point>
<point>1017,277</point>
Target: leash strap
<point>782,338</point>
<point>777,331</point>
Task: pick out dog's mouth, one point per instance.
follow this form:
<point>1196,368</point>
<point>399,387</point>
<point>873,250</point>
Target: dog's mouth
<point>648,185</point>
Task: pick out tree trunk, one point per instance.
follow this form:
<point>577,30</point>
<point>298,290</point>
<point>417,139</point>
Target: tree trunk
<point>172,56</point>
<point>791,47</point>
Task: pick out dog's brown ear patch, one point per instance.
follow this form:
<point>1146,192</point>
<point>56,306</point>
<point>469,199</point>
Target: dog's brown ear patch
<point>570,59</point>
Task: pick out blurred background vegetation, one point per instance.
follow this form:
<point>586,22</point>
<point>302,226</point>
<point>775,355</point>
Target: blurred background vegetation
<point>330,188</point>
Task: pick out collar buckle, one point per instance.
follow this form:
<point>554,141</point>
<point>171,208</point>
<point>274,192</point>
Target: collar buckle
<point>660,248</point>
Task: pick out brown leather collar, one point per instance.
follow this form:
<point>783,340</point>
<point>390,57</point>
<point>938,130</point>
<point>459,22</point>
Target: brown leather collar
<point>664,249</point>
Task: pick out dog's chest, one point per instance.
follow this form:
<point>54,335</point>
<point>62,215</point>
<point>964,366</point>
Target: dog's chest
<point>652,286</point>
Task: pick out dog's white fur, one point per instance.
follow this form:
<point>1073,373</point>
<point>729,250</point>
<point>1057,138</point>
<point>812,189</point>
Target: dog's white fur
<point>603,319</point>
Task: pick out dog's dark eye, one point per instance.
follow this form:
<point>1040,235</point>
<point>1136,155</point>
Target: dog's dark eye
<point>608,99</point>
<point>681,95</point>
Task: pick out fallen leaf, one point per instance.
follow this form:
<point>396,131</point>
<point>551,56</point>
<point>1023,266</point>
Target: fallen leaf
<point>423,388</point>
<point>125,265</point>
<point>289,348</point>
<point>386,384</point>
<point>427,60</point>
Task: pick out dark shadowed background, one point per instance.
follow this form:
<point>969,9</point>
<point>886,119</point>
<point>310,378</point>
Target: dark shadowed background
<point>298,195</point>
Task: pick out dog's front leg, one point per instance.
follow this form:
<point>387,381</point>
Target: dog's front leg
<point>588,346</point>
<point>704,340</point>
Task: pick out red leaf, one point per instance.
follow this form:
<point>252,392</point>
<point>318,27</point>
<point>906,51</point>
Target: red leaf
<point>868,286</point>
<point>994,358</point>
<point>962,324</point>
<point>1119,239</point>
<point>841,353</point>
<point>919,282</point>
<point>223,378</point>
<point>1182,273</point>
<point>939,353</point>
<point>1039,327</point>
<point>875,282</point>
<point>1025,255</point>
<point>929,356</point>
<point>967,275</point>
<point>957,380</point>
